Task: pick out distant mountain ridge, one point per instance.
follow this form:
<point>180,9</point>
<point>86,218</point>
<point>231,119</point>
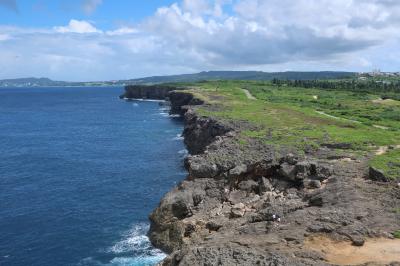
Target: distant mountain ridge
<point>206,75</point>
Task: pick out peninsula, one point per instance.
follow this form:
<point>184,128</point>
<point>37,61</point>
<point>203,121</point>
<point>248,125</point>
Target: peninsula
<point>283,173</point>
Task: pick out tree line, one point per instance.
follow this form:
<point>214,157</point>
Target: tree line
<point>370,86</point>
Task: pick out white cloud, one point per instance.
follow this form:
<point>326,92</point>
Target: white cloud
<point>4,37</point>
<point>122,31</point>
<point>78,26</point>
<point>270,35</point>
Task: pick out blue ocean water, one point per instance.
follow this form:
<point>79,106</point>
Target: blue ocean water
<point>80,171</point>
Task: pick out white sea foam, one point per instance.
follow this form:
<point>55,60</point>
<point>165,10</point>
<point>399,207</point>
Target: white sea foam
<point>164,114</point>
<point>148,100</point>
<point>178,137</point>
<point>183,152</point>
<point>135,242</point>
<point>139,261</point>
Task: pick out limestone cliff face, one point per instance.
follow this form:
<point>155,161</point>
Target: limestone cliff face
<point>154,92</point>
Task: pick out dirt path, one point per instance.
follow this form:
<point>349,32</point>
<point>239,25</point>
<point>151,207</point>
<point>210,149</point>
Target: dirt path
<point>378,250</point>
<point>349,120</point>
<point>248,94</point>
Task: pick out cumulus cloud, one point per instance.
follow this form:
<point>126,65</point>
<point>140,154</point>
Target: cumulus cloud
<point>189,36</point>
<point>89,6</point>
<point>77,26</point>
<point>10,4</point>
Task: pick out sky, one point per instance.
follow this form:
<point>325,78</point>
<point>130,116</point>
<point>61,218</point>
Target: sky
<point>88,40</point>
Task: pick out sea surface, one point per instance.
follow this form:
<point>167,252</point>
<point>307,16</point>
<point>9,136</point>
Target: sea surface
<point>80,171</point>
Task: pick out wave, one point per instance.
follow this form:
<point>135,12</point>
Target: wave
<point>178,137</point>
<point>134,249</point>
<point>183,152</point>
<point>143,100</point>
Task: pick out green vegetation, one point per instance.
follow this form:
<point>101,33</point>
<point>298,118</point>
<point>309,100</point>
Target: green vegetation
<point>389,163</point>
<point>396,234</point>
<point>308,118</point>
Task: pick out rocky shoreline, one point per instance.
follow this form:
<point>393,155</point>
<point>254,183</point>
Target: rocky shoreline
<point>256,204</point>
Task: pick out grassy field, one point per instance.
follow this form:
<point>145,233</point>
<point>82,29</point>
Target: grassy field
<point>307,118</point>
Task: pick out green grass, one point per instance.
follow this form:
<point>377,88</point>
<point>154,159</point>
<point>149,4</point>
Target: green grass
<point>397,234</point>
<point>302,117</point>
<point>389,163</point>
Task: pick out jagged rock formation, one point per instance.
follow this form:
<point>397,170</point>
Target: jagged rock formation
<point>154,92</point>
<point>255,204</point>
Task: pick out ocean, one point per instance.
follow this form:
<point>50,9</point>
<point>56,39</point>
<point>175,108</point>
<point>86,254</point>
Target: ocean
<point>80,171</point>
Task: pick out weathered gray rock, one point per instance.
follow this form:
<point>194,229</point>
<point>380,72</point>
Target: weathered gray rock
<point>238,210</point>
<point>200,168</point>
<point>265,185</point>
<point>249,186</point>
<point>238,170</point>
<point>288,171</point>
<point>310,183</point>
<point>377,175</point>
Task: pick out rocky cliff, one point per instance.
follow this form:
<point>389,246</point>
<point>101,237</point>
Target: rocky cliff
<point>255,204</point>
<point>154,92</point>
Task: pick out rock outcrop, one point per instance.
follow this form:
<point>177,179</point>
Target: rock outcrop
<point>154,92</point>
<point>256,204</point>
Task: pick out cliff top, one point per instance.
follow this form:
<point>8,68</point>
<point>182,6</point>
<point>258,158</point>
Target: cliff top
<point>353,122</point>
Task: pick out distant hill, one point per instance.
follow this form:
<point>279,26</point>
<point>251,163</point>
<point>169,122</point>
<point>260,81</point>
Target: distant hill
<point>207,75</point>
<point>242,75</point>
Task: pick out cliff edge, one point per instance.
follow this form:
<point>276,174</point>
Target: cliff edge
<point>254,203</point>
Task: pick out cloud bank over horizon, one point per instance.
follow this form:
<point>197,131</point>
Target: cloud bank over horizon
<point>195,35</point>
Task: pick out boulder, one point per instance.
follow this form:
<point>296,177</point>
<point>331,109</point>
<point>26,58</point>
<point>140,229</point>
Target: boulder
<point>265,185</point>
<point>200,168</point>
<point>288,171</point>
<point>309,183</point>
<point>238,210</point>
<point>237,196</point>
<point>291,159</point>
<point>377,175</point>
<point>238,170</point>
<point>249,186</point>
<point>303,170</point>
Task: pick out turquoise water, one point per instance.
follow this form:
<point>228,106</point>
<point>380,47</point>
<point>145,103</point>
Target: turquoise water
<point>80,170</point>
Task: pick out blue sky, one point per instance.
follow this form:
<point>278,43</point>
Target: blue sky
<point>121,39</point>
<point>107,14</point>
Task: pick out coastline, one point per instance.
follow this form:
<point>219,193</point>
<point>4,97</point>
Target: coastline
<point>225,212</point>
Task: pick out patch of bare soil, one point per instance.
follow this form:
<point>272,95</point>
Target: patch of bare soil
<point>378,250</point>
